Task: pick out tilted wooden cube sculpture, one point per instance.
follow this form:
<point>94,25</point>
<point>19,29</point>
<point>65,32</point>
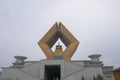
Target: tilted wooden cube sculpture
<point>58,31</point>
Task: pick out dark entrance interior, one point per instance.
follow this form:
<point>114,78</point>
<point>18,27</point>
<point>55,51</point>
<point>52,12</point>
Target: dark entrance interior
<point>52,72</point>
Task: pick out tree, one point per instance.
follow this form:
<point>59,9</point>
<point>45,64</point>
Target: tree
<point>99,77</point>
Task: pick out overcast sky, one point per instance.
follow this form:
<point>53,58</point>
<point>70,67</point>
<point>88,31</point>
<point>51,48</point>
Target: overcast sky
<point>95,23</point>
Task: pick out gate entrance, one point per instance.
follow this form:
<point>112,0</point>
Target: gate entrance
<point>52,72</point>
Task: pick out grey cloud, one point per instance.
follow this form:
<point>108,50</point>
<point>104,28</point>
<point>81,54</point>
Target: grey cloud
<point>94,23</point>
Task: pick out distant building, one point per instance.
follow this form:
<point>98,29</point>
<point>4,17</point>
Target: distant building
<point>117,73</point>
<point>58,65</point>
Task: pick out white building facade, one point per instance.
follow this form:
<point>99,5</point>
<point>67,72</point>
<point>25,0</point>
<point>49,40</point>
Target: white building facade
<point>57,70</point>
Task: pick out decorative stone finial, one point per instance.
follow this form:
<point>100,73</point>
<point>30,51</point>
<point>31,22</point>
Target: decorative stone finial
<point>19,61</point>
<point>95,57</point>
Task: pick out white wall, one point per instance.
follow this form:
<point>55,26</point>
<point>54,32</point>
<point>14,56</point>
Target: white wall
<point>69,71</point>
<point>16,74</point>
